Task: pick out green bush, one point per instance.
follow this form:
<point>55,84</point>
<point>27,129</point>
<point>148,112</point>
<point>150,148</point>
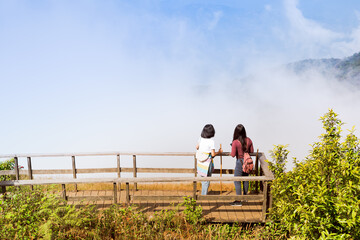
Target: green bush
<point>320,197</point>
<point>7,165</point>
<point>279,155</point>
<point>21,212</point>
<point>26,214</point>
<point>192,212</point>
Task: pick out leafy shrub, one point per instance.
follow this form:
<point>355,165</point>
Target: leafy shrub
<point>192,212</point>
<point>38,215</point>
<point>279,154</point>
<point>21,213</point>
<point>7,165</point>
<point>320,197</point>
<point>28,214</point>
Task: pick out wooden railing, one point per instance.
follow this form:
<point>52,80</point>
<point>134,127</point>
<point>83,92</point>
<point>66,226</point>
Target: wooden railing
<point>262,177</point>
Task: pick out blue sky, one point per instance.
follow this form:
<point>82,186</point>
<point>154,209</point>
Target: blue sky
<point>81,76</point>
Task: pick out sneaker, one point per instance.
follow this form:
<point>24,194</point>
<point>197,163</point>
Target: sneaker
<point>236,203</point>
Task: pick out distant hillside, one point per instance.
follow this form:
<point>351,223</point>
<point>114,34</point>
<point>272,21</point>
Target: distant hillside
<point>347,69</point>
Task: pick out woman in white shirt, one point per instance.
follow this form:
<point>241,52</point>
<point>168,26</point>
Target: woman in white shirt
<point>205,154</point>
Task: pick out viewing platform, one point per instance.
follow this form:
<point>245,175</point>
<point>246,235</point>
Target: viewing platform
<point>150,194</point>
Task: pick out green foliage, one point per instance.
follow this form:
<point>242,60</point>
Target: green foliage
<point>279,154</point>
<point>126,222</point>
<point>234,231</point>
<point>320,197</point>
<point>26,214</point>
<point>192,212</point>
<point>7,165</point>
<point>21,212</point>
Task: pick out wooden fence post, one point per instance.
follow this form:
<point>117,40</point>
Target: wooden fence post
<point>16,168</point>
<point>118,171</point>
<point>264,207</point>
<point>257,171</point>
<point>134,171</point>
<point>270,199</point>
<point>220,171</point>
<point>260,174</point>
<point>127,193</point>
<point>64,191</point>
<point>30,171</point>
<point>195,183</point>
<point>115,193</point>
<point>74,171</point>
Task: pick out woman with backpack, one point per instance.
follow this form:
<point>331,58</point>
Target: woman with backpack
<point>205,154</point>
<point>241,144</point>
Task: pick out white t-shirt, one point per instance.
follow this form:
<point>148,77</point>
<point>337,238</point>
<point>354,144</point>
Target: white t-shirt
<point>206,144</point>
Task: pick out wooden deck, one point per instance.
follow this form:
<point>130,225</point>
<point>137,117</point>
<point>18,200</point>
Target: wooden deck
<point>216,206</point>
<point>213,211</point>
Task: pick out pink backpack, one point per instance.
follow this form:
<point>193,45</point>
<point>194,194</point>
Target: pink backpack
<point>248,164</point>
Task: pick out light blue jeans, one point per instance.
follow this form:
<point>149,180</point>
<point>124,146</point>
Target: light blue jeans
<point>205,184</point>
<point>238,172</point>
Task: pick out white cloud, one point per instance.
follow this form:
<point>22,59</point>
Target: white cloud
<point>306,33</point>
<point>306,38</point>
<point>349,45</point>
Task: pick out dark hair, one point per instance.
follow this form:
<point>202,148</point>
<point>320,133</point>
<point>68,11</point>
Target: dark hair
<point>208,131</point>
<point>240,134</point>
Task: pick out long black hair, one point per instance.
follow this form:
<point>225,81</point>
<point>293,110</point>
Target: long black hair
<point>240,134</point>
<point>208,131</point>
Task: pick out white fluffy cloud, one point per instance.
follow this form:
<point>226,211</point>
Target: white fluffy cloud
<point>315,40</point>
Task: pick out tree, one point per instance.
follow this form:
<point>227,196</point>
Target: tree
<point>320,197</point>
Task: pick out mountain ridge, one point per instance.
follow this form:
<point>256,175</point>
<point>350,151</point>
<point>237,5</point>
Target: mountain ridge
<point>346,69</point>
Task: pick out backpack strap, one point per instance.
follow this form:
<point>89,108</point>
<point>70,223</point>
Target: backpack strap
<point>237,156</point>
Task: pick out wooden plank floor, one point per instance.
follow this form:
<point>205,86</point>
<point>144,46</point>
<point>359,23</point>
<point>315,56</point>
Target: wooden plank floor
<point>213,211</point>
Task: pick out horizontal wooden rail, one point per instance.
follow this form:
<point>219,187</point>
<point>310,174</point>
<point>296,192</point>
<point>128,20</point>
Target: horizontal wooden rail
<point>111,170</point>
<point>129,180</point>
<point>33,155</point>
<point>7,172</point>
